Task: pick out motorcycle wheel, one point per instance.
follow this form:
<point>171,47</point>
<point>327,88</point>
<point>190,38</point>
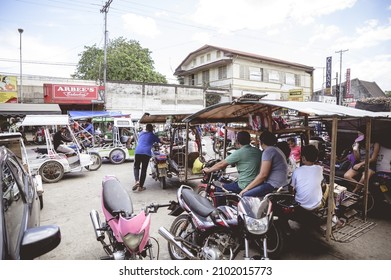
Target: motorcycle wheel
<point>163,184</point>
<point>181,227</point>
<point>275,241</point>
<point>96,162</point>
<point>217,146</point>
<point>51,171</point>
<point>117,156</point>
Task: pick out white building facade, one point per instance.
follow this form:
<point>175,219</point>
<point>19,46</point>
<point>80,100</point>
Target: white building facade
<point>245,73</point>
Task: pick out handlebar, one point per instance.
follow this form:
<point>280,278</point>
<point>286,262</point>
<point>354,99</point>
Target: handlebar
<point>152,208</point>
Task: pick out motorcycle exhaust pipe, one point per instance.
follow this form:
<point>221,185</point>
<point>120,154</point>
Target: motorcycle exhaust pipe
<point>171,239</point>
<point>100,235</point>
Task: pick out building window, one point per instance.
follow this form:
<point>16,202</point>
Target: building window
<point>193,62</point>
<point>244,72</point>
<point>202,58</point>
<point>290,79</point>
<point>256,74</point>
<point>208,57</point>
<point>222,72</point>
<point>193,80</point>
<point>274,76</point>
<point>218,54</point>
<point>205,77</point>
<point>297,80</point>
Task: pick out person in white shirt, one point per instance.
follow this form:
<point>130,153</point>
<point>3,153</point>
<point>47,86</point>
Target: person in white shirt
<point>307,179</point>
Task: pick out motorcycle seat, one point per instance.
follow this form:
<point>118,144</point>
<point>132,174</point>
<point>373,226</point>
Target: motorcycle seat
<point>115,198</point>
<point>199,205</point>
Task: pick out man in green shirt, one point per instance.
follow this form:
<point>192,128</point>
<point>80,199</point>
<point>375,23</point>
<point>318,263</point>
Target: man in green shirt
<point>247,160</point>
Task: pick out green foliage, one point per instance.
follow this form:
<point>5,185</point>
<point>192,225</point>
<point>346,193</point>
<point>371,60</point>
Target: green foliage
<point>388,93</point>
<point>126,61</point>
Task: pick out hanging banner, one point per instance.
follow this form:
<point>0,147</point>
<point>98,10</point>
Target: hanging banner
<point>8,89</point>
<point>328,75</point>
<point>348,88</point>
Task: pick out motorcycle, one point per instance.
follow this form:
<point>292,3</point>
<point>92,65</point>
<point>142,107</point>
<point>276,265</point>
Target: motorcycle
<point>127,232</point>
<point>283,207</point>
<point>206,232</point>
<point>159,165</point>
<point>380,185</point>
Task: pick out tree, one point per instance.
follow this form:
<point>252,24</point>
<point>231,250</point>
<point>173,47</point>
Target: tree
<point>388,93</point>
<point>126,61</point>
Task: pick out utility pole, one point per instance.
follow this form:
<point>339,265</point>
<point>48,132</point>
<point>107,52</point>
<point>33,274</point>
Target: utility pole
<point>105,10</point>
<point>340,71</point>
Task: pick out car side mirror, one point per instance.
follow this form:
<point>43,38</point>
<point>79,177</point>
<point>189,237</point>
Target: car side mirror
<point>39,241</point>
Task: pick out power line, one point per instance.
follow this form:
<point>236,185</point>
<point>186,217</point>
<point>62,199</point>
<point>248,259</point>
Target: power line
<point>39,62</point>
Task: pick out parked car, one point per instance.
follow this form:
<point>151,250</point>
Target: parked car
<point>22,237</point>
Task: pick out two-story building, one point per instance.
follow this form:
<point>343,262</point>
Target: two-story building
<point>242,73</point>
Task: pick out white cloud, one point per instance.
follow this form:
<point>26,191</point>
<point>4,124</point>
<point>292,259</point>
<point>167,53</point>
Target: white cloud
<point>372,70</point>
<point>145,26</point>
<point>369,35</point>
<point>256,15</point>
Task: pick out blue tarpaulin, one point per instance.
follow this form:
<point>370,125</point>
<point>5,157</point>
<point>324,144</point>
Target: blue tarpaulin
<point>76,115</point>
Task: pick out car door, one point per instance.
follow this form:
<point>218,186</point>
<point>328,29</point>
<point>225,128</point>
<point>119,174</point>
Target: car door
<point>19,204</point>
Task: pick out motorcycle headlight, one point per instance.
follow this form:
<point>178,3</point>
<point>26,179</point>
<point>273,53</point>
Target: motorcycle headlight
<point>257,226</point>
<point>132,241</point>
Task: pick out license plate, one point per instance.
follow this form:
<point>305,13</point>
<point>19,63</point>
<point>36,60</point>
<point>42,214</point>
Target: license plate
<point>383,188</point>
<point>162,165</point>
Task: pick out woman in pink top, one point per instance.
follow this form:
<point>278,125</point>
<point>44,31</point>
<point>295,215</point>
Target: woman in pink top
<point>295,149</point>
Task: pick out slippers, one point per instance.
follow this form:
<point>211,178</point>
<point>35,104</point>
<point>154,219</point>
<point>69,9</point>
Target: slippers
<point>338,223</point>
<point>140,189</point>
<point>136,186</point>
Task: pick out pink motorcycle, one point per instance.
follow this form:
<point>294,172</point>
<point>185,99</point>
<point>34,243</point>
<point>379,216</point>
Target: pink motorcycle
<point>127,232</point>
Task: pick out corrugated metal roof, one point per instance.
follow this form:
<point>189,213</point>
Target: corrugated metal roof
<point>38,120</point>
<point>238,111</point>
<point>162,118</point>
<point>19,109</point>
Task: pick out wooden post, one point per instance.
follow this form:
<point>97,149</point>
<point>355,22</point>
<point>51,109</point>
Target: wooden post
<point>367,157</point>
<point>330,205</point>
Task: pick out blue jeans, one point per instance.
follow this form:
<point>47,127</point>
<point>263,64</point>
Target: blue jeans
<point>260,190</point>
<point>232,187</point>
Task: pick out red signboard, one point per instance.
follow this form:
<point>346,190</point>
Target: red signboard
<point>348,93</point>
<point>70,94</point>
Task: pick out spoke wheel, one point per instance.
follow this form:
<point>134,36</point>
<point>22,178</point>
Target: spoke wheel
<point>51,171</point>
<point>96,162</point>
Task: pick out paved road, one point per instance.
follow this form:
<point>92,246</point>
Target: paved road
<point>68,203</point>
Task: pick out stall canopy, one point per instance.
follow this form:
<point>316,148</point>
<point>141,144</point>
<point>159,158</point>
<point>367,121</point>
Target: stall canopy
<point>42,120</point>
<point>238,111</point>
<point>21,110</point>
<point>77,115</point>
<point>162,118</point>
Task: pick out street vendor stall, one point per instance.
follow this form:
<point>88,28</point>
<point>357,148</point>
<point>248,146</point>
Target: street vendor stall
<point>287,118</point>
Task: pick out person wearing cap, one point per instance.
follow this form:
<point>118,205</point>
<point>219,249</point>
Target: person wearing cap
<point>273,172</point>
<point>247,160</point>
<point>59,139</point>
<point>142,155</point>
<point>359,153</point>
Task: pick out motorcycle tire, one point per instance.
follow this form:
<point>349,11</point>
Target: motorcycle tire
<point>217,147</point>
<point>163,184</point>
<point>177,229</point>
<point>51,171</point>
<point>40,201</point>
<point>96,162</point>
<point>275,241</point>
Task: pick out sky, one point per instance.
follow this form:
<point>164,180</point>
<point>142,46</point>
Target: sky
<point>55,33</point>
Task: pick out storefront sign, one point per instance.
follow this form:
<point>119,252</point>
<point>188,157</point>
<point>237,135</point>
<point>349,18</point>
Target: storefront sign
<point>67,94</point>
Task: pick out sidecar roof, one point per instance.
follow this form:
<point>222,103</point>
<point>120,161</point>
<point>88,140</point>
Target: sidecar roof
<point>42,120</point>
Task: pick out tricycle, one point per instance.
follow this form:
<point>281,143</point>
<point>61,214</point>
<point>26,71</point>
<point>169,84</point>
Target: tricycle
<point>51,164</point>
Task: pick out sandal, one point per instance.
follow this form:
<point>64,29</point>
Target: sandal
<point>140,189</point>
<point>136,186</point>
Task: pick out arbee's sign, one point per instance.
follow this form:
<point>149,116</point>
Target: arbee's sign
<point>61,93</point>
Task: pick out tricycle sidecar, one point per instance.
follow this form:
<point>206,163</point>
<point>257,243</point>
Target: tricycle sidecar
<point>51,164</point>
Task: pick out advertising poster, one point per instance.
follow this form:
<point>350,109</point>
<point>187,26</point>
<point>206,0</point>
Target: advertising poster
<point>8,89</point>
